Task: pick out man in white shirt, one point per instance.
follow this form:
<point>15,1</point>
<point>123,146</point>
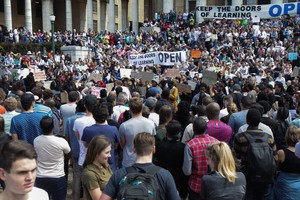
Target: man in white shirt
<point>80,123</point>
<point>18,171</point>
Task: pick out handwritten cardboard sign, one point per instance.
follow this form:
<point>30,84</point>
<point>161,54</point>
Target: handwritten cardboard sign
<point>209,77</point>
<point>172,73</point>
<point>184,88</point>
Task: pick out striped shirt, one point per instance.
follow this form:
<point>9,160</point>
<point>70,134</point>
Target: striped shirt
<point>219,130</point>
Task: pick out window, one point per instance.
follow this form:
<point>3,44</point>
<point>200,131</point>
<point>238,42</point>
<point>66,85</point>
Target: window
<point>95,6</point>
<point>21,7</point>
<point>1,6</point>
<point>116,10</point>
<point>38,9</point>
<point>95,25</point>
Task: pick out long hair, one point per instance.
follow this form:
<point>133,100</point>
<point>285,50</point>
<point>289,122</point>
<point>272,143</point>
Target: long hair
<point>98,144</point>
<point>222,159</point>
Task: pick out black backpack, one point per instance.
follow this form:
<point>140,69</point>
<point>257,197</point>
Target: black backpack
<point>260,165</point>
<point>139,185</point>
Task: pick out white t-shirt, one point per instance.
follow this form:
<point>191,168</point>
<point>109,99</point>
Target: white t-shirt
<point>155,118</point>
<point>50,160</point>
<point>79,125</point>
<point>261,126</point>
<point>38,194</point>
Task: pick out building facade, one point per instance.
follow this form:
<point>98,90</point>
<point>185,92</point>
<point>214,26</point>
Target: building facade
<point>98,15</point>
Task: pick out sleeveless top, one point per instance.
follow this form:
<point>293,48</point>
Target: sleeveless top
<point>291,164</point>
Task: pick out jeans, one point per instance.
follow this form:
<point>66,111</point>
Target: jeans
<point>76,180</point>
<point>55,187</point>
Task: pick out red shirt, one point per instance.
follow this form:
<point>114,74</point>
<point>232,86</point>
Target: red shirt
<point>219,130</point>
<point>198,145</point>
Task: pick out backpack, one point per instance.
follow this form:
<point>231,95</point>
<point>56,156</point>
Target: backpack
<point>139,185</point>
<point>260,165</point>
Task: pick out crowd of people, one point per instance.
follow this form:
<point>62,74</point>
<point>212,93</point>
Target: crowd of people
<point>234,139</point>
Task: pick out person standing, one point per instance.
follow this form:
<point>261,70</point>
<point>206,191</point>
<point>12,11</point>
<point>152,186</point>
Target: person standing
<point>129,129</point>
<point>50,161</point>
<point>70,136</point>
<point>80,123</point>
<point>100,114</point>
<point>195,162</point>
<point>69,109</point>
<point>96,171</point>
<point>144,147</point>
<point>26,126</point>
<point>223,182</point>
<point>215,127</point>
<point>18,171</point>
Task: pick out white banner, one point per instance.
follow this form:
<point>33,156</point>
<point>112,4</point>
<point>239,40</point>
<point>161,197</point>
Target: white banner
<point>159,57</point>
<point>247,11</point>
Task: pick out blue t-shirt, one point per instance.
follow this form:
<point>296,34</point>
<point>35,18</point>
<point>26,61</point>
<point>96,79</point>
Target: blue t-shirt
<point>27,126</point>
<point>109,131</point>
<point>68,130</point>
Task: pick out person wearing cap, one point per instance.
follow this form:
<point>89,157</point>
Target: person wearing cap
<point>10,104</point>
<point>39,106</point>
<point>155,87</point>
<point>151,103</point>
<point>26,126</point>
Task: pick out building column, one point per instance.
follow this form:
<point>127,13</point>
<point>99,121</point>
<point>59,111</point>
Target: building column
<point>200,19</point>
<point>167,6</point>
<point>236,2</point>
<point>82,16</point>
<point>28,15</point>
<point>7,15</point>
<point>111,16</point>
<point>276,1</point>
<point>135,13</point>
<point>187,7</point>
<point>124,15</point>
<point>251,2</point>
<point>89,14</point>
<point>103,15</point>
<point>69,19</point>
<point>47,8</point>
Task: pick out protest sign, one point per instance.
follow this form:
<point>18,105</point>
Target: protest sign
<point>39,75</point>
<point>95,77</point>
<point>96,91</point>
<point>109,87</point>
<point>192,84</point>
<point>171,73</point>
<point>209,77</point>
<point>293,56</point>
<point>64,97</point>
<point>195,53</point>
<point>184,88</point>
<point>247,11</point>
<point>142,59</point>
<point>125,73</point>
<point>159,57</point>
<point>295,72</point>
<point>146,76</point>
<point>143,90</point>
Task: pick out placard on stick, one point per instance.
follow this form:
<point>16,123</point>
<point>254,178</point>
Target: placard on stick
<point>95,77</point>
<point>184,88</point>
<point>172,73</point>
<point>209,77</point>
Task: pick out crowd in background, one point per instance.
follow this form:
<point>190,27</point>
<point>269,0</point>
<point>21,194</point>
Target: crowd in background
<point>257,86</point>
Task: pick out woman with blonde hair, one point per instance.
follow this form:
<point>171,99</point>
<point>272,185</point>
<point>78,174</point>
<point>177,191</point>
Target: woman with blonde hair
<point>223,182</point>
<point>287,183</point>
<point>96,171</point>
